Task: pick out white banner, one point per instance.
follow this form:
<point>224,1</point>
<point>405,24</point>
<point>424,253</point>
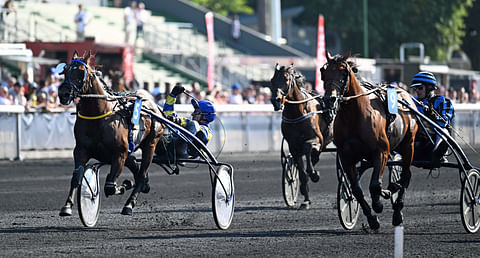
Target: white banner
<point>321,55</point>
<point>211,50</point>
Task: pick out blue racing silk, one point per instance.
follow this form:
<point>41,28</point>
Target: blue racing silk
<point>442,105</point>
<point>200,129</point>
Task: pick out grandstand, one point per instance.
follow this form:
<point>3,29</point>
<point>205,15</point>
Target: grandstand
<point>171,51</point>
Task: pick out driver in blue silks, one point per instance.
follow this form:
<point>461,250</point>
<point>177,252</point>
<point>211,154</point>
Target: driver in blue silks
<point>439,109</point>
<point>173,146</point>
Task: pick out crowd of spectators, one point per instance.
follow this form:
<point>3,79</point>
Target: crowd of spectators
<point>41,95</point>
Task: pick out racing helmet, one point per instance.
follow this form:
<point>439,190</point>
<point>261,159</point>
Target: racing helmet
<point>207,109</point>
<point>424,78</point>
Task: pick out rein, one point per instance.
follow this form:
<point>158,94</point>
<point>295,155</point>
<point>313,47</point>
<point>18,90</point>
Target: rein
<point>302,118</point>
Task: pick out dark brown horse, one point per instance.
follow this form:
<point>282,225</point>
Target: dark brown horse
<point>102,132</point>
<point>304,126</point>
<point>118,83</point>
<point>364,129</point>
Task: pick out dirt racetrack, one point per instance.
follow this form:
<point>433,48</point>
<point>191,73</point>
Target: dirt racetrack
<point>175,218</point>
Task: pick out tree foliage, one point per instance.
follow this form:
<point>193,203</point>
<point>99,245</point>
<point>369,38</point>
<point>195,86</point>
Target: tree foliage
<point>471,41</point>
<point>225,7</point>
<point>438,24</point>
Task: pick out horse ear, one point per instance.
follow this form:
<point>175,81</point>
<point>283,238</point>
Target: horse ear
<point>329,57</point>
<point>348,55</point>
<point>75,54</point>
<point>277,67</point>
<point>88,56</point>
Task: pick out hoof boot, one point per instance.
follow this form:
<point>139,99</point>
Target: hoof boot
<point>314,176</point>
<point>305,206</point>
<point>66,211</point>
<point>373,222</point>
<point>377,206</point>
<point>127,211</point>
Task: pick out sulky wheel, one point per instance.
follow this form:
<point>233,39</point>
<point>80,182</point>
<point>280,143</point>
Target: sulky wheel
<point>290,180</point>
<point>88,196</point>
<point>347,206</point>
<point>223,197</point>
<point>470,201</point>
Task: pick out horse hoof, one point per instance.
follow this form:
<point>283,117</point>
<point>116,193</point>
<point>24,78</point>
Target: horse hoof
<point>397,218</point>
<point>146,188</point>
<point>314,176</point>
<point>305,206</point>
<point>377,206</point>
<point>127,211</point>
<point>66,211</point>
<point>110,190</point>
<point>373,222</point>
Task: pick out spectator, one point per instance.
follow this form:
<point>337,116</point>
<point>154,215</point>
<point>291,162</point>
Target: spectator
<point>7,8</point>
<point>472,96</point>
<point>31,94</point>
<point>462,96</point>
<point>129,19</point>
<point>156,92</point>
<point>236,97</point>
<point>249,94</point>
<point>18,95</point>
<point>4,100</point>
<point>196,92</point>
<point>452,95</point>
<point>235,27</point>
<point>82,18</point>
<point>141,17</point>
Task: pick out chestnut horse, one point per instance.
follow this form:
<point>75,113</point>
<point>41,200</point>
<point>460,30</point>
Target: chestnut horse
<point>304,126</point>
<point>102,132</point>
<point>364,129</point>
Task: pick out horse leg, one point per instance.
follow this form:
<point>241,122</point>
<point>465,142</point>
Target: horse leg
<point>117,165</point>
<point>376,182</point>
<point>141,180</point>
<point>303,181</point>
<point>357,191</point>
<point>308,150</point>
<point>404,182</point>
<point>131,163</point>
<point>80,160</point>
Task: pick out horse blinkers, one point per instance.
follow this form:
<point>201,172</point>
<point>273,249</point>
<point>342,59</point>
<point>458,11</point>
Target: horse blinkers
<point>75,80</point>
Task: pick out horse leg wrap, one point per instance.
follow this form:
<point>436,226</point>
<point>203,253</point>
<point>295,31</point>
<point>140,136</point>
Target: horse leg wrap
<point>304,189</point>
<point>405,179</point>
<point>373,222</point>
<point>76,177</point>
<point>397,218</point>
<point>375,192</point>
<point>110,188</point>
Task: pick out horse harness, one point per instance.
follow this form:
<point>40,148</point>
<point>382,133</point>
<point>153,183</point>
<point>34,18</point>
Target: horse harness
<point>123,105</point>
<point>329,112</point>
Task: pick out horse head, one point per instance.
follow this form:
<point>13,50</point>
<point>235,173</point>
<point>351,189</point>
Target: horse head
<point>337,74</point>
<point>282,84</point>
<point>78,77</point>
<point>118,83</point>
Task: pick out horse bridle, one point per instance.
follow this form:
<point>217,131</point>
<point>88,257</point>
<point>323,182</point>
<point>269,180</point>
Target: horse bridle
<point>76,89</point>
<point>281,95</point>
<point>341,84</point>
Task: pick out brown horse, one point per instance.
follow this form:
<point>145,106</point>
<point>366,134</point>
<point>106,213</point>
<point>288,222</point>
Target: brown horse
<point>118,83</point>
<point>102,131</point>
<point>304,126</point>
<point>364,129</point>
